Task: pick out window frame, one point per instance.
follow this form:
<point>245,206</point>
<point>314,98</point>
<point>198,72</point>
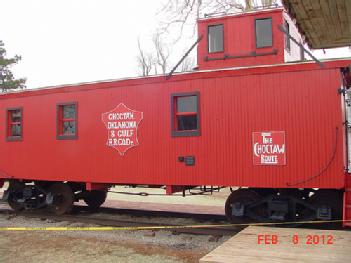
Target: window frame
<point>208,38</point>
<point>255,21</point>
<point>11,138</point>
<point>174,114</point>
<point>59,121</point>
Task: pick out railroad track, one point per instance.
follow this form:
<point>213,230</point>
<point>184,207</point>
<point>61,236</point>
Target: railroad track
<point>136,218</point>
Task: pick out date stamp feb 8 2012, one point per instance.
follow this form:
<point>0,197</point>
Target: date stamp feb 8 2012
<point>296,239</point>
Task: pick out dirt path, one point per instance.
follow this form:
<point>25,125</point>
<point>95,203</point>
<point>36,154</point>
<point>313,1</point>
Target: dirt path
<point>44,247</point>
<point>116,246</point>
<point>97,246</point>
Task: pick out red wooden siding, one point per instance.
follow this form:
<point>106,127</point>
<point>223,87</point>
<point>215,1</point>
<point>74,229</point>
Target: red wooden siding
<point>239,39</point>
<point>301,100</point>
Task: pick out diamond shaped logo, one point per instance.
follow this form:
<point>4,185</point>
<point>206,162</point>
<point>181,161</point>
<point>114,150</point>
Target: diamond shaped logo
<point>122,126</point>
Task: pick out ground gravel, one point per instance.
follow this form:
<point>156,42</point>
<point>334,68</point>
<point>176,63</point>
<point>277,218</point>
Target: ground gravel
<point>96,246</point>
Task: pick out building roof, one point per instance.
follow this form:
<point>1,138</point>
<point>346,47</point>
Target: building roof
<point>325,23</point>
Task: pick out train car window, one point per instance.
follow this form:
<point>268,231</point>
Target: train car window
<point>185,114</point>
<point>14,124</point>
<point>286,38</point>
<point>263,28</point>
<point>67,121</point>
<point>215,39</point>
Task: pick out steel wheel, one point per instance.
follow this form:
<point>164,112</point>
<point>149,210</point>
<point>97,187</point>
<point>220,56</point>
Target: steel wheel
<point>242,196</point>
<point>63,198</point>
<point>94,199</point>
<point>330,198</point>
<point>14,189</point>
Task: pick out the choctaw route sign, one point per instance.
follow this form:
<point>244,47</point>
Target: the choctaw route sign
<point>122,126</point>
<point>269,148</point>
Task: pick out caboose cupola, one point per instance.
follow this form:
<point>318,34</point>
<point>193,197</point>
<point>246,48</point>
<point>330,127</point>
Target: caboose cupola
<point>247,39</point>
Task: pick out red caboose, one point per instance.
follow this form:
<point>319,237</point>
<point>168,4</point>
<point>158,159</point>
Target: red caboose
<point>277,130</point>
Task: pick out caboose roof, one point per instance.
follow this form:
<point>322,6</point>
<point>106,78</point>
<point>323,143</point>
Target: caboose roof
<point>182,76</point>
<point>221,16</point>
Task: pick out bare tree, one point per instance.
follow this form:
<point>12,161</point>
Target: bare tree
<point>187,64</point>
<point>159,61</point>
<point>248,5</point>
<point>269,2</point>
<point>162,53</point>
<point>156,60</point>
<point>181,12</point>
<point>145,61</point>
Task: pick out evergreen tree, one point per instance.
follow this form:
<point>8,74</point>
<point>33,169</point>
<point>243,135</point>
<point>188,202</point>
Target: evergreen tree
<point>7,80</point>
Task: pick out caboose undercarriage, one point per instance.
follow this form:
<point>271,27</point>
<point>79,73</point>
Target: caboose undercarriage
<point>284,205</point>
<point>242,205</point>
<point>57,197</point>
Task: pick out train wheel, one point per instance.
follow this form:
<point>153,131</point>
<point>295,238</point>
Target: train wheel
<point>14,189</point>
<point>94,199</point>
<point>239,198</point>
<point>63,198</point>
<point>329,198</point>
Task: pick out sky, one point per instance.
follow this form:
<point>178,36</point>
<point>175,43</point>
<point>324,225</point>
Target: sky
<point>68,41</point>
<point>71,41</point>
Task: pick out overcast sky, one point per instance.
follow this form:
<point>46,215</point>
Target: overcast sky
<point>69,41</point>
